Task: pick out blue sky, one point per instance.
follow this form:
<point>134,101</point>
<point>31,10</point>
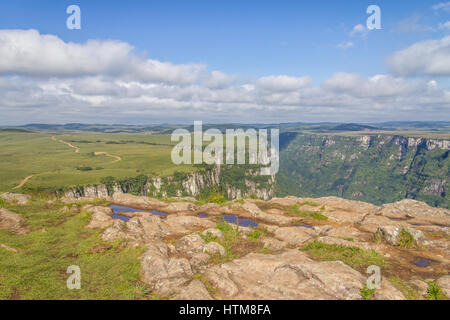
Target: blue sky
<point>250,39</point>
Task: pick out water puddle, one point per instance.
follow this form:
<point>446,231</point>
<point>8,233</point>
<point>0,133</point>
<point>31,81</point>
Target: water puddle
<point>118,209</point>
<point>202,215</point>
<point>305,225</point>
<point>422,263</point>
<point>120,217</point>
<point>240,221</point>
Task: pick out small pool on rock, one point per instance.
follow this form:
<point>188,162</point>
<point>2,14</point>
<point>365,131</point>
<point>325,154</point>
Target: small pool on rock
<point>117,209</point>
<point>202,215</point>
<point>305,225</point>
<point>242,222</point>
<point>120,217</point>
<point>422,263</point>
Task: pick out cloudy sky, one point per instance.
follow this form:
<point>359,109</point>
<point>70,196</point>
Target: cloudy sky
<point>145,62</point>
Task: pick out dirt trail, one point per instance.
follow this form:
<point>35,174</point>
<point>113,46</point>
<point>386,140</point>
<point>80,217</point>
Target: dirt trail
<point>77,150</point>
<point>20,185</point>
<point>117,158</point>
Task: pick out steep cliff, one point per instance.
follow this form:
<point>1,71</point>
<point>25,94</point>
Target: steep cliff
<point>233,182</point>
<point>375,168</point>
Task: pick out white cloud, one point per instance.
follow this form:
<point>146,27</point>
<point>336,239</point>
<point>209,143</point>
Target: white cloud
<point>44,79</point>
<point>430,57</point>
<point>359,29</point>
<point>442,6</point>
<point>28,52</point>
<point>445,25</point>
<point>345,45</point>
<point>283,83</point>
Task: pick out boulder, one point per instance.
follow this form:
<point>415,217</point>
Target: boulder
<point>214,248</point>
<point>190,244</point>
<point>387,291</point>
<point>293,236</point>
<point>21,199</point>
<point>444,283</point>
<point>289,275</point>
<point>213,232</point>
<point>194,291</point>
<point>101,217</point>
<point>164,276</point>
<point>11,221</point>
<point>391,233</point>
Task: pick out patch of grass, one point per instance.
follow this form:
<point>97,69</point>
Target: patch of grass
<point>255,235</point>
<point>435,292</point>
<point>409,292</point>
<point>406,240</point>
<point>296,211</point>
<point>366,293</point>
<point>205,282</point>
<point>354,257</point>
<point>265,251</point>
<point>309,203</point>
<point>38,270</point>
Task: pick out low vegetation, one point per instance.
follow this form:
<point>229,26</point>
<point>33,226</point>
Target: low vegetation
<point>354,257</point>
<point>59,239</point>
<point>434,292</point>
<point>406,240</point>
<point>295,210</point>
<point>409,292</point>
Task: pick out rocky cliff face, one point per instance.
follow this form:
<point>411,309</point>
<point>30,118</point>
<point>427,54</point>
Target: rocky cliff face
<point>248,183</point>
<point>375,168</point>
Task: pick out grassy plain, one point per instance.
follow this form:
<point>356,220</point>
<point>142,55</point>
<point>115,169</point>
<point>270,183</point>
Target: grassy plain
<point>55,164</point>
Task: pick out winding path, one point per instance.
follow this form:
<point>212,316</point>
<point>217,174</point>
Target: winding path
<point>21,184</point>
<point>77,150</point>
<point>117,158</point>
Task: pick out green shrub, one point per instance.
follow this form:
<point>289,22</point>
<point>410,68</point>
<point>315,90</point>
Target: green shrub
<point>406,240</point>
<point>366,293</point>
<point>434,292</point>
<point>352,256</point>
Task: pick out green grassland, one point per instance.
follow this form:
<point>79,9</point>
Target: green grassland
<point>59,239</point>
<point>55,164</point>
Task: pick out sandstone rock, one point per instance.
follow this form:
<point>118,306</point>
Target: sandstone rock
<point>344,232</point>
<point>214,248</point>
<point>165,276</point>
<point>290,275</point>
<point>213,232</point>
<point>141,202</point>
<point>199,261</point>
<point>175,207</point>
<point>294,236</point>
<point>219,279</point>
<point>194,291</point>
<point>8,248</point>
<point>419,211</point>
<point>21,199</point>
<point>391,233</point>
<point>444,283</point>
<point>420,286</point>
<point>322,230</point>
<point>387,291</point>
<point>190,244</point>
<point>116,231</point>
<point>11,221</point>
<point>189,222</point>
<point>273,244</point>
<point>101,217</point>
